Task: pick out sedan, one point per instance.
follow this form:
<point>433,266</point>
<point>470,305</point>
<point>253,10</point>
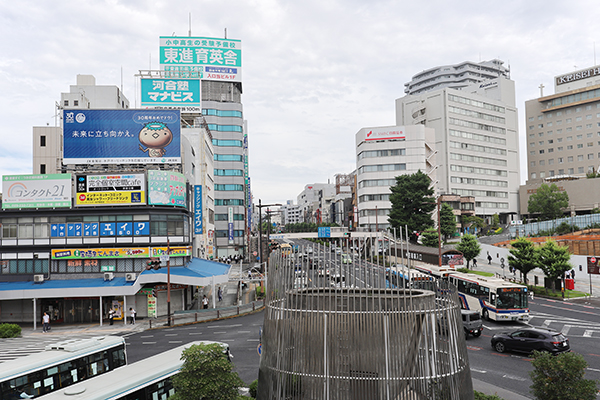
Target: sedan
<point>529,339</point>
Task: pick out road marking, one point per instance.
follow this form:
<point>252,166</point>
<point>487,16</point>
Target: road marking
<point>146,336</point>
<point>195,333</point>
<point>175,341</point>
<point>547,323</point>
<point>224,326</point>
<point>219,333</point>
<point>588,333</point>
<point>565,330</point>
<point>252,340</point>
<point>148,342</point>
<point>244,332</point>
<point>480,371</point>
<point>476,348</point>
<point>516,378</point>
<point>171,334</point>
<point>593,369</point>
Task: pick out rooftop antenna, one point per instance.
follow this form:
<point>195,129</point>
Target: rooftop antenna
<point>225,33</point>
<point>190,23</point>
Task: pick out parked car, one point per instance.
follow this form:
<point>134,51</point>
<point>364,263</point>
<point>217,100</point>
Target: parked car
<point>472,323</point>
<point>527,340</point>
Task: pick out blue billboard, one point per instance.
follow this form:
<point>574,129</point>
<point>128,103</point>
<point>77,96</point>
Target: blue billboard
<point>121,136</point>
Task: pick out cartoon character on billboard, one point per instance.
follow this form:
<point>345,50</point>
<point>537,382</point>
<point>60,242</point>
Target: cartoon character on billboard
<point>155,136</point>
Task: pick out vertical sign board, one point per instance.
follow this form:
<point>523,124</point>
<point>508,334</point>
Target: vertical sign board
<point>121,137</point>
<point>212,59</point>
<point>166,188</point>
<point>178,93</point>
<point>249,200</point>
<point>230,224</point>
<point>151,306</point>
<point>36,191</point>
<point>198,210</point>
<point>592,266</point>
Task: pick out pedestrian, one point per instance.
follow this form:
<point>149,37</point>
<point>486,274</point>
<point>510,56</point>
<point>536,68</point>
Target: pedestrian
<point>205,302</point>
<point>220,293</point>
<point>46,323</point>
<point>573,274</point>
<point>111,316</point>
<point>474,263</point>
<point>249,274</point>
<point>132,313</point>
<point>489,258</point>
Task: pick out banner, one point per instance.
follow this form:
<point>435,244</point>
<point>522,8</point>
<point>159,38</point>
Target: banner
<point>121,136</point>
<point>113,189</point>
<point>36,191</point>
<point>175,92</point>
<point>122,252</point>
<point>166,188</point>
<point>198,210</point>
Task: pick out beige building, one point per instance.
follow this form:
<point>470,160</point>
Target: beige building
<point>563,140</point>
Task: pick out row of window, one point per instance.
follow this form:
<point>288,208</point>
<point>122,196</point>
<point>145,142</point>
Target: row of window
<point>475,103</point>
<point>225,217</point>
<point>371,213</point>
<point>479,193</point>
<point>381,153</point>
<point>222,113</point>
<point>479,171</point>
<point>227,143</point>
<point>560,139</point>
<point>561,160</point>
<point>225,128</point>
<point>481,160</point>
<point>570,171</point>
<point>229,188</point>
<point>479,182</point>
<point>476,136</point>
<point>561,148</point>
<point>568,111</point>
<point>476,114</point>
<point>474,147</point>
<point>382,167</point>
<point>574,98</point>
<point>376,182</point>
<point>475,125</point>
<point>490,204</point>
<point>229,202</point>
<point>229,172</point>
<point>374,197</point>
<point>225,233</point>
<point>229,157</point>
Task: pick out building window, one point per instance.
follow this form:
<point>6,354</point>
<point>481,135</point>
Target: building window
<point>43,141</point>
<point>533,163</point>
<point>75,103</point>
<point>66,103</point>
<point>551,161</point>
<point>580,157</point>
<point>580,170</point>
<point>571,171</point>
<point>551,172</point>
<point>570,159</point>
<point>542,163</point>
<point>533,175</point>
<point>590,156</point>
<point>561,171</point>
<point>541,151</point>
<point>42,168</point>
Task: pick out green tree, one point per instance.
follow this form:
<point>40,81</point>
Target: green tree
<point>469,247</point>
<point>412,203</point>
<point>473,221</point>
<point>430,238</point>
<point>548,202</point>
<point>561,377</point>
<point>554,260</point>
<point>523,256</point>
<point>495,221</point>
<point>448,221</point>
<point>206,374</point>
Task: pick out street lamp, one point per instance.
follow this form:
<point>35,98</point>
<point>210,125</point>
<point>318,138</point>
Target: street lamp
<point>260,206</point>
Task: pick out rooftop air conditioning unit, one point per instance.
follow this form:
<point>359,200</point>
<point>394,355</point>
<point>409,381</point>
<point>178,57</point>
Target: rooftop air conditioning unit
<point>130,277</point>
<point>108,276</point>
<point>38,278</point>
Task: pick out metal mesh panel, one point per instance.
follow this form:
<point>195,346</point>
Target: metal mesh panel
<point>359,337</point>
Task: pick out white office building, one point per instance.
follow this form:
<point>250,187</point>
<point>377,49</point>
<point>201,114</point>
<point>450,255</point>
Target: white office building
<point>382,153</point>
<point>476,139</point>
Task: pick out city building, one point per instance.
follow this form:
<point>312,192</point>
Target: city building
<point>291,213</point>
<point>457,76</point>
<point>476,141</point>
<point>382,153</point>
<point>563,140</point>
<point>314,202</point>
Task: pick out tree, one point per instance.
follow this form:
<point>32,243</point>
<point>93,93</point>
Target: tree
<point>548,202</point>
<point>469,247</point>
<point>561,377</point>
<point>495,220</point>
<point>554,260</point>
<point>523,256</point>
<point>206,374</point>
<point>447,221</point>
<point>430,238</point>
<point>478,222</point>
<point>412,203</point>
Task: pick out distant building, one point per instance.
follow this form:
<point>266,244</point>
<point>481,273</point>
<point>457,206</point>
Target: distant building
<point>291,213</point>
<point>314,200</point>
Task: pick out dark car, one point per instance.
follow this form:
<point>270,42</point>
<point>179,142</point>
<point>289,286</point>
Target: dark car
<point>527,340</point>
<point>472,323</point>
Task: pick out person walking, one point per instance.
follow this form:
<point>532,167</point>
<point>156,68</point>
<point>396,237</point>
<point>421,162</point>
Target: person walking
<point>46,323</point>
<point>205,302</point>
<point>132,313</point>
<point>220,294</point>
<point>111,316</point>
<point>489,258</point>
<point>474,263</point>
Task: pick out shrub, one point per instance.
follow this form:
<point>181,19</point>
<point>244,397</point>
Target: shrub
<point>253,388</point>
<point>10,330</point>
<point>481,396</point>
<point>260,292</point>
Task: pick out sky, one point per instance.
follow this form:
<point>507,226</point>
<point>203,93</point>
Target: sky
<point>314,72</point>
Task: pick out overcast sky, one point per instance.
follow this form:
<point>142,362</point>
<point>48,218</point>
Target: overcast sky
<point>314,72</point>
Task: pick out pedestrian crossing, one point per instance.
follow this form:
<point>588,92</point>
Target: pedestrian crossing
<point>573,327</point>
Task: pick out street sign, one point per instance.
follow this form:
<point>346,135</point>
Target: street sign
<point>107,268</point>
<point>592,266</point>
<point>164,257</point>
<point>259,349</point>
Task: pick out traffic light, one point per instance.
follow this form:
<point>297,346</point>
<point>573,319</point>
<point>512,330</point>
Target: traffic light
<point>153,264</point>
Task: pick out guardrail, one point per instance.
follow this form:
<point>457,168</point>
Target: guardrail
<point>192,316</point>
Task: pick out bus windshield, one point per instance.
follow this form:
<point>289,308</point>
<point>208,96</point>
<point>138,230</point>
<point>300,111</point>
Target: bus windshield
<point>511,298</point>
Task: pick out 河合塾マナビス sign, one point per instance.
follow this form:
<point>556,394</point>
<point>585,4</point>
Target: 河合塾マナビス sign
<point>173,92</point>
<point>121,136</point>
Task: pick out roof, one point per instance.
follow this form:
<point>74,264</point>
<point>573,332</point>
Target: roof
<point>198,272</point>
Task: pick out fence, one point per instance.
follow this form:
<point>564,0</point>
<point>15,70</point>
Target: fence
<point>582,221</point>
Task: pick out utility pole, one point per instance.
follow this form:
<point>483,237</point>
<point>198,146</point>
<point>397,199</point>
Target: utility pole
<point>439,232</point>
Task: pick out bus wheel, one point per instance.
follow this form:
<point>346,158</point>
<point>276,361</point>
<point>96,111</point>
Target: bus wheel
<point>485,314</point>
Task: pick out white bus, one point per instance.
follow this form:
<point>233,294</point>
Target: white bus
<point>146,379</point>
<point>397,276</point>
<point>435,270</point>
<point>494,298</point>
<point>60,365</point>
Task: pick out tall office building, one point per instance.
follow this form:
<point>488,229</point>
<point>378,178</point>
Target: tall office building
<point>456,76</point>
<point>563,139</point>
<point>476,139</point>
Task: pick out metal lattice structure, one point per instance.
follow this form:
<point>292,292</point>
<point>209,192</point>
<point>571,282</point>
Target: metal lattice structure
<point>360,336</point>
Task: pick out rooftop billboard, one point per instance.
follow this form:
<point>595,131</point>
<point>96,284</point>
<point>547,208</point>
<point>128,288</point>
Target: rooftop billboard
<point>36,191</point>
<point>166,188</point>
<point>110,189</point>
<point>200,57</point>
<point>121,136</point>
<point>171,93</point>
